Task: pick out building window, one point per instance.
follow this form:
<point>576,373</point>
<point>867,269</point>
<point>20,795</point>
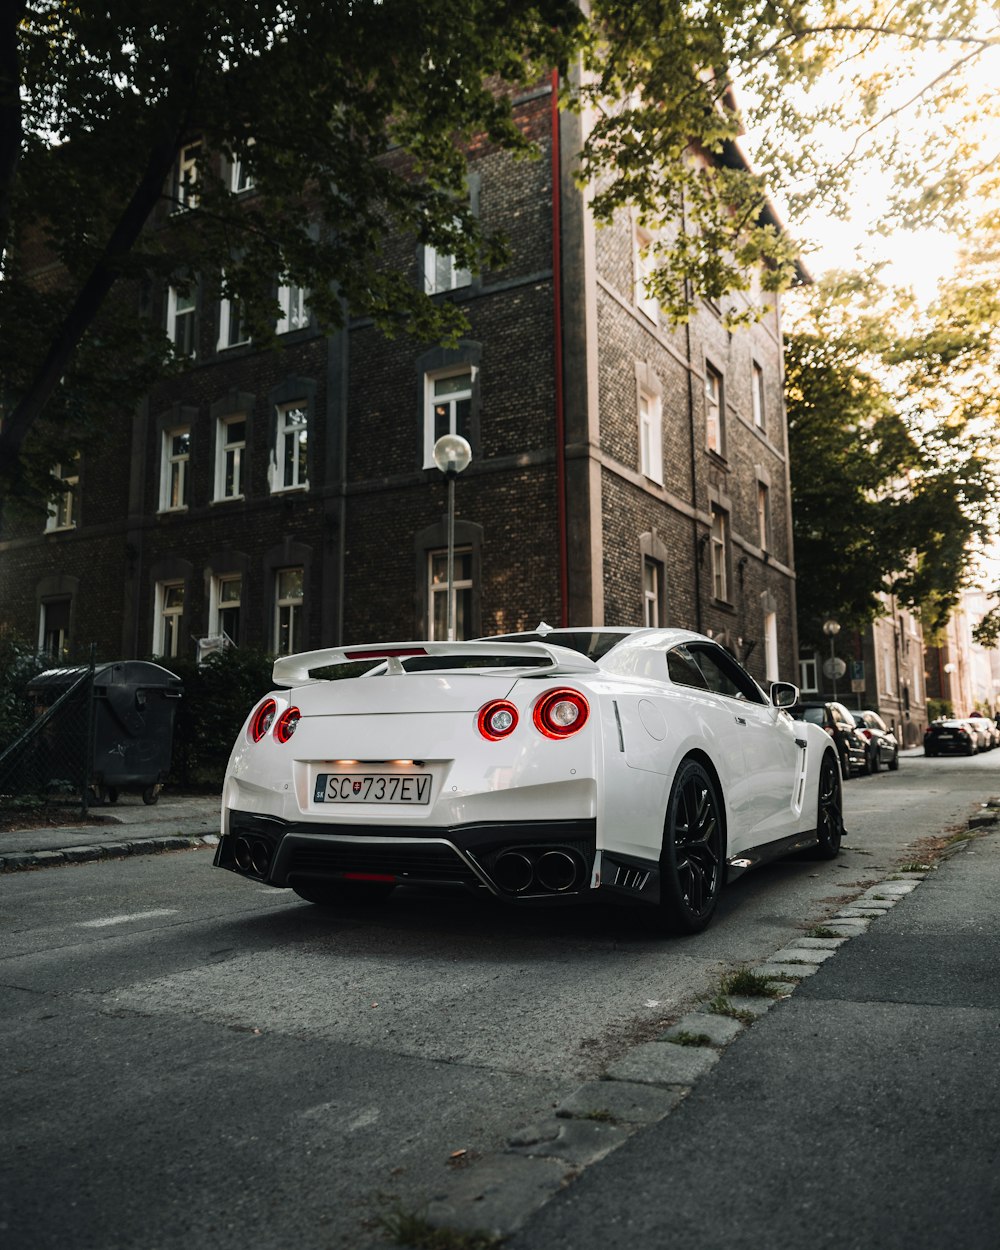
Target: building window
<point>230,452</point>
<point>294,313</point>
<point>720,554</point>
<point>757,395</point>
<point>448,411</point>
<point>808,676</point>
<point>291,447</point>
<point>181,321</point>
<point>53,629</point>
<point>887,683</point>
<point>764,515</point>
<point>169,616</point>
<point>232,331</point>
<point>645,266</point>
<point>714,432</point>
<point>64,508</point>
<point>288,585</point>
<point>437,594</point>
<point>240,175</point>
<point>227,595</point>
<point>650,437</point>
<point>441,273</point>
<point>186,177</point>
<point>652,577</point>
<point>174,470</point>
<point>771,646</point>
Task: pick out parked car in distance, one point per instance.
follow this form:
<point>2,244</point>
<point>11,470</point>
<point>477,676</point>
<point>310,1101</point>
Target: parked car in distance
<point>989,735</point>
<point>838,722</point>
<point>883,746</point>
<point>950,737</point>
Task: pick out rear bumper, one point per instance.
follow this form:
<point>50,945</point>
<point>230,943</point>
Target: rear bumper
<point>536,861</point>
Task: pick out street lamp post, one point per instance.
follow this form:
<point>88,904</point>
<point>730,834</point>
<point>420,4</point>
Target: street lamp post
<point>452,454</point>
<point>832,628</point>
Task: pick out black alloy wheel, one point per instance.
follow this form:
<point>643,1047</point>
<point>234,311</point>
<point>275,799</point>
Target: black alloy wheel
<point>692,863</point>
<point>329,893</point>
<point>829,811</point>
<point>894,762</point>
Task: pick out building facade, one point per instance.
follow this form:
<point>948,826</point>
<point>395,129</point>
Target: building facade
<point>624,472</point>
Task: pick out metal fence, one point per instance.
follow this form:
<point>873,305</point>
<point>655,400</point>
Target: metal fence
<point>53,757</point>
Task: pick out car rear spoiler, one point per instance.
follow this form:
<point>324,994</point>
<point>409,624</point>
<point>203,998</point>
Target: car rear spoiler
<point>295,670</point>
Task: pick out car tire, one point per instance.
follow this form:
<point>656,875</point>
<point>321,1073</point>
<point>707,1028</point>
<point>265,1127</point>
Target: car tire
<point>893,764</point>
<point>693,859</point>
<point>871,762</point>
<point>829,811</point>
<point>845,766</point>
<point>342,893</point>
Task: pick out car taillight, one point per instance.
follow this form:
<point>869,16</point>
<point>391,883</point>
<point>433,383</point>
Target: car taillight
<point>262,719</point>
<point>561,713</point>
<point>287,721</point>
<point>497,719</point>
<point>962,731</point>
<point>866,733</point>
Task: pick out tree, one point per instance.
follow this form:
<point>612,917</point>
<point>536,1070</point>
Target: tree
<point>354,118</point>
<point>892,439</point>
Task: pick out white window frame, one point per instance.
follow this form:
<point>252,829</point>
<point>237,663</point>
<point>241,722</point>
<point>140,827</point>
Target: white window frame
<point>283,433</point>
<point>645,265</point>
<point>757,394</point>
<point>168,620</point>
<point>431,405</point>
<point>294,309</point>
<point>771,646</point>
<point>230,324</point>
<point>174,315</point>
<point>438,590</point>
<point>186,177</point>
<point>886,674</point>
<point>225,447</point>
<point>238,183</point>
<point>217,606</point>
<point>719,549</point>
<point>292,605</point>
<point>441,273</point>
<point>809,675</point>
<point>651,593</point>
<point>175,471</point>
<point>651,437</point>
<point>764,515</point>
<point>64,508</point>
<point>715,434</point>
<point>59,652</point>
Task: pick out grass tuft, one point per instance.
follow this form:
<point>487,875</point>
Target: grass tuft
<point>821,931</point>
<point>690,1039</point>
<point>721,1006</point>
<point>745,983</point>
<point>406,1228</point>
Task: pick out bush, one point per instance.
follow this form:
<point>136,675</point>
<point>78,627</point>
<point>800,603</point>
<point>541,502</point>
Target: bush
<point>18,664</point>
<point>218,695</point>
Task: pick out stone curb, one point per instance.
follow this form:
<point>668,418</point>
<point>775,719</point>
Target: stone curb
<point>21,861</point>
<point>499,1192</point>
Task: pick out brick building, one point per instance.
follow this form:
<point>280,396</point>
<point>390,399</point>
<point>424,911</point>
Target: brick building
<point>623,471</point>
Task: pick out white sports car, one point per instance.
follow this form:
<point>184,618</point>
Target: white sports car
<point>642,766</point>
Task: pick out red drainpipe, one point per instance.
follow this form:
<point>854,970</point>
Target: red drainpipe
<point>558,359</point>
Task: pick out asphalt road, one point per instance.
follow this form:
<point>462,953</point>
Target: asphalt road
<point>192,1059</point>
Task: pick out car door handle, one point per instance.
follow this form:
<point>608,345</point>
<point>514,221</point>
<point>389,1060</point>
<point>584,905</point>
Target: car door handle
<point>740,720</point>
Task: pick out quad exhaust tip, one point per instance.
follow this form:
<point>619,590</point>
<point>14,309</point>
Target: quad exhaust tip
<point>252,855</point>
<point>537,871</point>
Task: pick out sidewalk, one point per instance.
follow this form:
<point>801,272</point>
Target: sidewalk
<point>174,822</point>
<point>860,1111</point>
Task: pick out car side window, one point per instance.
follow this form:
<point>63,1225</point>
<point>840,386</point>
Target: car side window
<point>723,675</point>
<point>682,669</point>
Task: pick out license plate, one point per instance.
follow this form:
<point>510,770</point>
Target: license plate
<point>412,788</point>
<point>943,736</point>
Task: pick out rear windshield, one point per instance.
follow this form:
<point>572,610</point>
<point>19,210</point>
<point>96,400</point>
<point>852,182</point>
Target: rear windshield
<point>593,643</point>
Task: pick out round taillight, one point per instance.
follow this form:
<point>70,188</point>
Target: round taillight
<point>287,721</point>
<point>262,719</point>
<point>561,713</point>
<point>497,719</point>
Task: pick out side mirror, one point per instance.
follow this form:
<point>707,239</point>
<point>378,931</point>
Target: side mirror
<point>784,694</point>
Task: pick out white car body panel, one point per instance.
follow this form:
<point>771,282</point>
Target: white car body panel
<point>602,790</point>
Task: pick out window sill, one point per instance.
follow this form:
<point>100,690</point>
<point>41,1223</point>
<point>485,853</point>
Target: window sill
<point>60,529</point>
<point>171,511</point>
<point>290,490</point>
<point>226,499</point>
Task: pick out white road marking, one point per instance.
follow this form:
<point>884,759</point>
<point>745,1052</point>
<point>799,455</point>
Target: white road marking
<point>135,915</point>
